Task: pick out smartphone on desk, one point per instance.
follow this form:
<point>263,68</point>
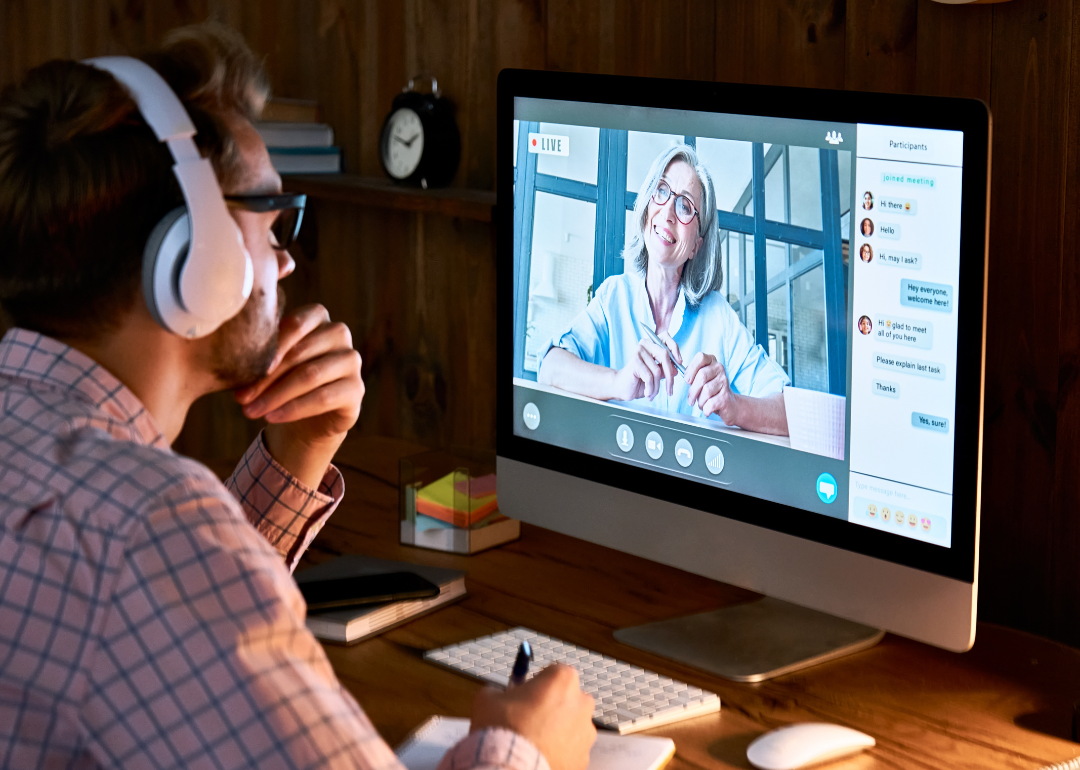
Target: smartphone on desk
<point>342,593</point>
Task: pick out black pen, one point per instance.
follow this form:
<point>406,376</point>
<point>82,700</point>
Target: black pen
<point>521,665</point>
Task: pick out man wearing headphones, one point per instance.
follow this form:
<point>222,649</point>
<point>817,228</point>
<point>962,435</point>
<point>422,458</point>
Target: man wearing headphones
<point>147,614</point>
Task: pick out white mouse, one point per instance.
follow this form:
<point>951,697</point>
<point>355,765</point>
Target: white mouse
<point>805,744</point>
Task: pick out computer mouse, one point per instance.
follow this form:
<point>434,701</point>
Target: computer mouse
<point>805,744</point>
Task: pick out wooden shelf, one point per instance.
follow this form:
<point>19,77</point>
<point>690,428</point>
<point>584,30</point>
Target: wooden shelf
<point>377,191</point>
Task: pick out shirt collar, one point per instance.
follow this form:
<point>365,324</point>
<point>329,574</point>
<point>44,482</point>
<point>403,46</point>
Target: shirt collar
<point>644,307</point>
<point>33,357</point>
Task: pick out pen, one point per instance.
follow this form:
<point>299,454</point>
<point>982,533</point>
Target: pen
<point>653,336</point>
<point>521,665</point>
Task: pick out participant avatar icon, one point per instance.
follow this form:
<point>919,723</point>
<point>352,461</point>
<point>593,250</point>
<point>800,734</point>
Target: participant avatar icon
<point>867,227</point>
<point>912,519</point>
<point>925,524</point>
<point>871,511</point>
<point>867,200</point>
<point>865,325</point>
<point>886,514</point>
<point>866,253</point>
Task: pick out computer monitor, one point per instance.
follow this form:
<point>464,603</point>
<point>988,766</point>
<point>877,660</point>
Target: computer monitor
<point>816,261</point>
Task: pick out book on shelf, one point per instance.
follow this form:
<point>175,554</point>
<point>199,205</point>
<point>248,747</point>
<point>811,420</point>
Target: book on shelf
<point>280,133</point>
<point>293,110</point>
<point>358,623</point>
<point>305,160</point>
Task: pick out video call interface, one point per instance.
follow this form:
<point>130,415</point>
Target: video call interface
<point>802,274</point>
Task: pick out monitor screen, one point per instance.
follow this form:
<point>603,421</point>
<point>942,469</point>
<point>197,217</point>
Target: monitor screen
<point>751,312</point>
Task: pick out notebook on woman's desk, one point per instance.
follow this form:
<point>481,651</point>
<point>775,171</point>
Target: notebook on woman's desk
<point>424,749</point>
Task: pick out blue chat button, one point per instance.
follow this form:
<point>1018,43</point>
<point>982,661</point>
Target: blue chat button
<point>826,488</point>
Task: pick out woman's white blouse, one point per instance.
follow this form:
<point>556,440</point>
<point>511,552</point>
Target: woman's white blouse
<point>607,333</point>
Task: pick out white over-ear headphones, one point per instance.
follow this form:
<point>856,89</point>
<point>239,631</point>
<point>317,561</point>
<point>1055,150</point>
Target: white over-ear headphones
<point>196,272</point>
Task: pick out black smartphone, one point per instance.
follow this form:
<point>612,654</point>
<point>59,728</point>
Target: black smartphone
<point>366,589</point>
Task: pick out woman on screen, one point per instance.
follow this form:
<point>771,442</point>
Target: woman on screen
<point>671,285</point>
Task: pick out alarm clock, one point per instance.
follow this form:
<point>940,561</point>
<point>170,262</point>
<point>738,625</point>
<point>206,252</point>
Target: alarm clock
<point>420,143</point>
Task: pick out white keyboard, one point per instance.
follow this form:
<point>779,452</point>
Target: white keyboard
<point>628,698</point>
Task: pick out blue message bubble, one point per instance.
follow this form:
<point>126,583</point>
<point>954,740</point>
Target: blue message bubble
<point>889,230</point>
<point>905,365</point>
<point>904,331</point>
<point>906,206</point>
<point>894,258</point>
<point>928,296</point>
<point>930,422</point>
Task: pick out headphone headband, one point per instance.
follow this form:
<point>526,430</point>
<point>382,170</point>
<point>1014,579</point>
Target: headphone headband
<point>192,284</point>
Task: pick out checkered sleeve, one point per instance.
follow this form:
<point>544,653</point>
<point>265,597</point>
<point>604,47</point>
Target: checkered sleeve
<point>283,509</point>
<point>494,749</point>
<point>203,659</point>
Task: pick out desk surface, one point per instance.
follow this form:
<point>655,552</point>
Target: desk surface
<point>999,706</point>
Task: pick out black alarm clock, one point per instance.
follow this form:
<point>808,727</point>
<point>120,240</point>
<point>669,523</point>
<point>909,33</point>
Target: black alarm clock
<point>420,143</point>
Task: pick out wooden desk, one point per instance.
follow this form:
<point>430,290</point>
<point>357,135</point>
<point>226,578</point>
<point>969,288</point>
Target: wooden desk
<point>999,706</point>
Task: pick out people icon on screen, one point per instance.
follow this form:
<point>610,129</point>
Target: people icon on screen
<point>865,325</point>
<point>866,253</point>
<point>867,227</point>
<point>867,200</point>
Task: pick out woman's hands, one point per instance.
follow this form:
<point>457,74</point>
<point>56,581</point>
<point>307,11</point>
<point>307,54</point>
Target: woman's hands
<point>648,366</point>
<point>710,390</point>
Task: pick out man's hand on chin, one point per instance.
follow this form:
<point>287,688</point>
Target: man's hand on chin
<point>311,395</point>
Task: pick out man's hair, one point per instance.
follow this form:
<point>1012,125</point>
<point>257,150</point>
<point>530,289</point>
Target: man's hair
<point>83,179</point>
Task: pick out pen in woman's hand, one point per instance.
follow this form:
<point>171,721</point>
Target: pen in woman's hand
<point>521,665</point>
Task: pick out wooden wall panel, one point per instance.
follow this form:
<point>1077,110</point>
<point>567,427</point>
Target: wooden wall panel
<point>782,42</point>
<point>881,45</point>
<point>416,289</point>
<point>1031,50</point>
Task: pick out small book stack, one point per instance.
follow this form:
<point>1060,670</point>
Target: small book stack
<point>298,144</point>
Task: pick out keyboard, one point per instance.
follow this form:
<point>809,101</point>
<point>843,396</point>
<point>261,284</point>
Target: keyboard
<point>628,698</point>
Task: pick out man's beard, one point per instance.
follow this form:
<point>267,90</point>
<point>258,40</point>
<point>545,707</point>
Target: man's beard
<point>246,344</point>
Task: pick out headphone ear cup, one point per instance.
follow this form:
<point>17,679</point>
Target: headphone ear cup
<point>163,258</point>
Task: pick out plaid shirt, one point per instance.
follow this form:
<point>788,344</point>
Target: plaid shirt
<point>143,621</point>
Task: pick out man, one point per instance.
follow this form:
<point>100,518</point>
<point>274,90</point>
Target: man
<point>147,615</point>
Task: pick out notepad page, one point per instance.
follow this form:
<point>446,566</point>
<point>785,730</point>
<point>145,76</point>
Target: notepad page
<point>425,748</point>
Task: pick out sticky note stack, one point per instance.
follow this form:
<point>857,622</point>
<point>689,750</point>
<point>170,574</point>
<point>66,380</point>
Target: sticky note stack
<point>456,513</point>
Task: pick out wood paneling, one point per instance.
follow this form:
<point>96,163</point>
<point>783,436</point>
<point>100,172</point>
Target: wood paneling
<point>416,288</point>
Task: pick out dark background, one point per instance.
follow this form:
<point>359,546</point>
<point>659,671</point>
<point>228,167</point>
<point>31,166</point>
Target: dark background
<point>418,289</point>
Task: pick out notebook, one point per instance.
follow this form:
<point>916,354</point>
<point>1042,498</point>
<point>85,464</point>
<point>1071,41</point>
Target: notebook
<point>358,623</point>
<point>424,749</point>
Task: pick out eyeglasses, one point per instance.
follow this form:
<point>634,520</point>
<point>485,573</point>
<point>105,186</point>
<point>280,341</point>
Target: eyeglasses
<point>286,225</point>
<point>685,210</point>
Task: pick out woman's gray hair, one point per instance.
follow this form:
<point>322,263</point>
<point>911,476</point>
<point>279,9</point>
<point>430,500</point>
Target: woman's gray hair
<point>703,273</point>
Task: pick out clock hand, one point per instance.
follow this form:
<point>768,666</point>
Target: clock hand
<point>413,139</point>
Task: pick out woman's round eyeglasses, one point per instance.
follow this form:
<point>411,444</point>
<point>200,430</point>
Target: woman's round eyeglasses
<point>685,210</point>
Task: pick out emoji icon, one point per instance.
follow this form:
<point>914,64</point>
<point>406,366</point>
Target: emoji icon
<point>888,324</point>
<point>900,518</point>
<point>912,519</point>
<point>907,205</point>
<point>871,510</point>
<point>885,514</point>
<point>925,524</point>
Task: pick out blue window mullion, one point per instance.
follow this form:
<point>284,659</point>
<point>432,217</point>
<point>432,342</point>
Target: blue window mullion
<point>610,205</point>
<point>835,308</point>
<point>761,298</point>
<point>567,188</point>
<point>524,207</point>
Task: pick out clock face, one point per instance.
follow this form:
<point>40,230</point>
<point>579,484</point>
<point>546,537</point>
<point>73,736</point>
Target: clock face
<point>403,143</point>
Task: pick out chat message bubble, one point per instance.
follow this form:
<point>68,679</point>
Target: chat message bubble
<point>894,258</point>
<point>915,180</point>
<point>906,206</point>
<point>928,296</point>
<point>904,331</point>
<point>889,230</point>
<point>905,365</point>
<point>886,388</point>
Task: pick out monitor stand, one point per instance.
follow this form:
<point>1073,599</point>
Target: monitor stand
<point>753,642</point>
